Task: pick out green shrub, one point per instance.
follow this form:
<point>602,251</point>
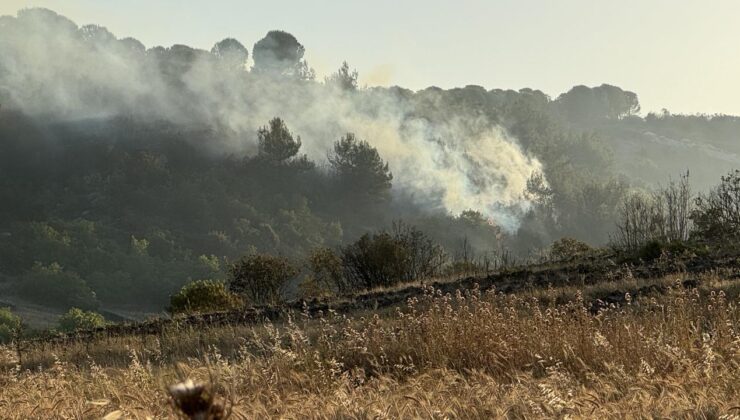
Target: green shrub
<point>202,296</point>
<point>10,325</point>
<point>260,277</point>
<point>77,319</point>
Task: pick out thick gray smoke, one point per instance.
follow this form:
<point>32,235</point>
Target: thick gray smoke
<point>50,67</point>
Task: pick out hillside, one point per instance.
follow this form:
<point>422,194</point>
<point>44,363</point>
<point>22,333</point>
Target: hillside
<point>112,201</point>
<point>601,279</point>
<point>219,229</point>
<point>509,352</point>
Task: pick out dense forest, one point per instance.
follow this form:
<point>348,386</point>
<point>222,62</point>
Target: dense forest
<point>126,171</point>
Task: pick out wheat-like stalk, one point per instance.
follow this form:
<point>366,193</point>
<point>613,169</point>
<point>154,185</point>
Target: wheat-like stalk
<point>464,355</point>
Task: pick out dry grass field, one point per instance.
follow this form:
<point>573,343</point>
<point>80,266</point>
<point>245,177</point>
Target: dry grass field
<point>466,355</point>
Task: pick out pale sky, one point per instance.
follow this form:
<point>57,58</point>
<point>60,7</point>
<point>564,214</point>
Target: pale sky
<point>677,54</point>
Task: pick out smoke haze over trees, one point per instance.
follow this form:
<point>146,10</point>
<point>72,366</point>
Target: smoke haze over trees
<point>127,170</point>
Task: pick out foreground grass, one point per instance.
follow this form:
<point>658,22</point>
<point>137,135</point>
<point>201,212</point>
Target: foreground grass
<point>466,356</point>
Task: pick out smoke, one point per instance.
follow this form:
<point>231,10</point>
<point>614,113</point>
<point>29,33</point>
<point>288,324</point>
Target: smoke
<point>49,67</point>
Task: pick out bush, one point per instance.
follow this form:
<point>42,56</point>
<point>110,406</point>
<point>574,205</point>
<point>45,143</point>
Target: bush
<point>568,248</point>
<point>384,259</point>
<point>717,214</point>
<point>202,296</point>
<point>651,250</point>
<point>326,274</point>
<point>655,249</point>
<point>10,325</point>
<point>77,319</point>
<point>374,260</point>
<point>53,286</point>
<point>260,277</point>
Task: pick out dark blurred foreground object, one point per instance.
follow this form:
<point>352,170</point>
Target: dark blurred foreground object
<point>196,401</point>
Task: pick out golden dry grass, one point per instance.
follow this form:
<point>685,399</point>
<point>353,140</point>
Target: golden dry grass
<point>463,356</point>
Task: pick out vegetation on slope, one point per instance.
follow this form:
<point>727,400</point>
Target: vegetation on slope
<point>117,200</point>
<point>490,355</point>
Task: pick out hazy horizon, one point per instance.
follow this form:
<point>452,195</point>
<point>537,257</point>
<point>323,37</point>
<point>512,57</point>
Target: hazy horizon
<point>674,56</point>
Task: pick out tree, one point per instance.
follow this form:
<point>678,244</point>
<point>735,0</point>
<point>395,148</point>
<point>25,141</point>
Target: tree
<point>326,272</point>
<point>260,277</point>
<point>39,18</point>
<point>385,259</point>
<point>620,103</point>
<point>52,285</point>
<point>202,296</point>
<point>425,256</point>
<point>177,60</point>
<point>661,217</point>
<point>582,104</point>
<point>77,319</point>
<point>276,142</point>
<point>132,45</point>
<point>359,167</point>
<point>97,35</point>
<point>231,53</point>
<point>344,79</point>
<point>374,261</point>
<point>278,53</point>
<point>717,214</point>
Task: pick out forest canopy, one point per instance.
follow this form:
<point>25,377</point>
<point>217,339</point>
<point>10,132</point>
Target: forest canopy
<point>127,171</point>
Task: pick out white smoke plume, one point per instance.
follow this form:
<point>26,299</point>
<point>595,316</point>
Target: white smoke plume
<point>51,68</point>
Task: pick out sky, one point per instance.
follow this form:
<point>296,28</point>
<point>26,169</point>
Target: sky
<point>681,55</point>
